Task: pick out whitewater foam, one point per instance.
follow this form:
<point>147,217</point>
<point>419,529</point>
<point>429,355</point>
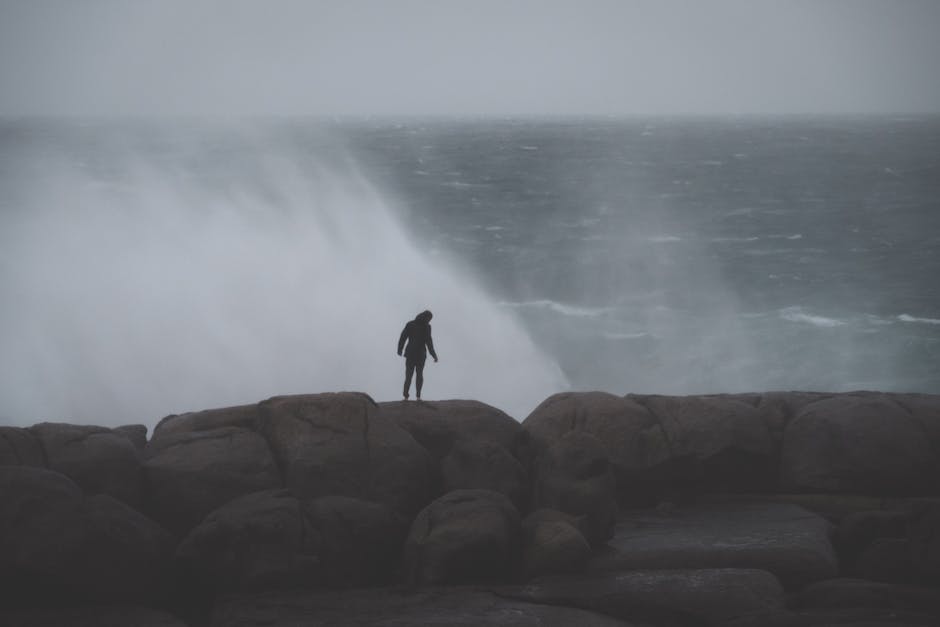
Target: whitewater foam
<point>796,314</point>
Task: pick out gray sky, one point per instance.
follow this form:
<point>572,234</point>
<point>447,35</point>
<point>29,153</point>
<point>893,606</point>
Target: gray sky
<point>103,57</point>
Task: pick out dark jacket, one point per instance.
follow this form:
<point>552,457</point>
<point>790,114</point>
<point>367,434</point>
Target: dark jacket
<point>418,335</point>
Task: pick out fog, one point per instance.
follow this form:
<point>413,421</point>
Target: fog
<point>480,57</point>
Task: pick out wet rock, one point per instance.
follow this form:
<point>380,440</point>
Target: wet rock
<point>58,545</point>
<point>465,536</point>
<point>861,593</point>
<point>342,444</point>
<point>859,530</point>
<point>360,542</point>
<point>856,444</point>
<point>785,540</point>
<point>241,416</point>
<point>189,474</point>
<point>574,476</point>
<point>553,544</point>
<point>19,447</point>
<point>481,464</point>
<point>435,607</point>
<point>97,459</point>
<point>671,597</point>
<point>95,616</point>
<point>272,539</point>
<point>137,434</point>
<point>634,440</point>
<point>254,542</point>
<point>725,440</point>
<point>437,424</point>
<point>924,534</point>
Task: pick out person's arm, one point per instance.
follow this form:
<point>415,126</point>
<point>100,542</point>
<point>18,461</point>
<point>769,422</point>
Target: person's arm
<point>431,344</point>
<point>402,338</point>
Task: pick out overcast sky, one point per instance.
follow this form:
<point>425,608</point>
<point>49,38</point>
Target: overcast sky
<point>234,57</point>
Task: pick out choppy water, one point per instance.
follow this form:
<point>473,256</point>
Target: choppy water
<point>158,267</point>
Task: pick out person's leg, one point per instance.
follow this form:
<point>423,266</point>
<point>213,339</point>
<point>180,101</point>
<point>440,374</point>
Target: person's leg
<point>409,369</point>
<point>419,381</point>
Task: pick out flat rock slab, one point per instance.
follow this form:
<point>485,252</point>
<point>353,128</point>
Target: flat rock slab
<point>668,597</point>
<point>786,540</point>
<point>437,607</point>
<point>103,616</point>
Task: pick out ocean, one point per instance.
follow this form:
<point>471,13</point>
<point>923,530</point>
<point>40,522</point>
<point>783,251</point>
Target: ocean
<point>150,267</point>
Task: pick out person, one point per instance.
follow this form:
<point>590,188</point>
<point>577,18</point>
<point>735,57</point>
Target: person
<point>418,335</point>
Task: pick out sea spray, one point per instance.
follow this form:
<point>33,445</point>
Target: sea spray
<point>148,271</point>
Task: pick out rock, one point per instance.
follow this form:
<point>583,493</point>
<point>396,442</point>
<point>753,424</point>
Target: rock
<point>436,424</point>
<point>887,560</point>
<point>777,409</point>
<point>434,607</point>
<point>785,540</point>
<point>481,464</point>
<point>19,447</point>
<point>96,458</point>
<point>95,616</point>
<point>726,440</point>
<point>271,539</point>
<point>342,444</point>
<point>860,529</point>
<point>465,536</point>
<point>635,442</point>
<point>553,545</point>
<point>360,542</point>
<point>574,476</point>
<point>137,434</point>
<point>857,444</point>
<point>189,474</point>
<point>832,617</point>
<point>925,543</point>
<point>254,542</point>
<point>242,416</point>
<point>59,546</point>
<point>683,597</point>
<point>859,593</point>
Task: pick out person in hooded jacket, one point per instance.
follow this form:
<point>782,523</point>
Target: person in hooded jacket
<point>417,333</point>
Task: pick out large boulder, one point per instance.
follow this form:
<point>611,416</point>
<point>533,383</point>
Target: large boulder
<point>481,464</point>
<point>190,473</point>
<point>864,444</point>
<point>635,442</point>
<point>272,539</point>
<point>360,542</point>
<point>58,545</point>
<point>137,434</point>
<point>465,536</point>
<point>96,458</point>
<point>437,424</point>
<point>254,542</point>
<point>243,416</point>
<point>553,543</point>
<point>342,444</point>
<point>726,442</point>
<point>19,447</point>
<point>574,476</point>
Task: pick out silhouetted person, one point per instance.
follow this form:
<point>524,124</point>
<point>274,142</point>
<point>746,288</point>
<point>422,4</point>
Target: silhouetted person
<point>418,335</point>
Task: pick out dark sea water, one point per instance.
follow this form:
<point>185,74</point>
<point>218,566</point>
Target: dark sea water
<point>153,267</point>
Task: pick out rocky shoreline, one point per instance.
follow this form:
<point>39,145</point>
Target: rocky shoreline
<point>781,508</point>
